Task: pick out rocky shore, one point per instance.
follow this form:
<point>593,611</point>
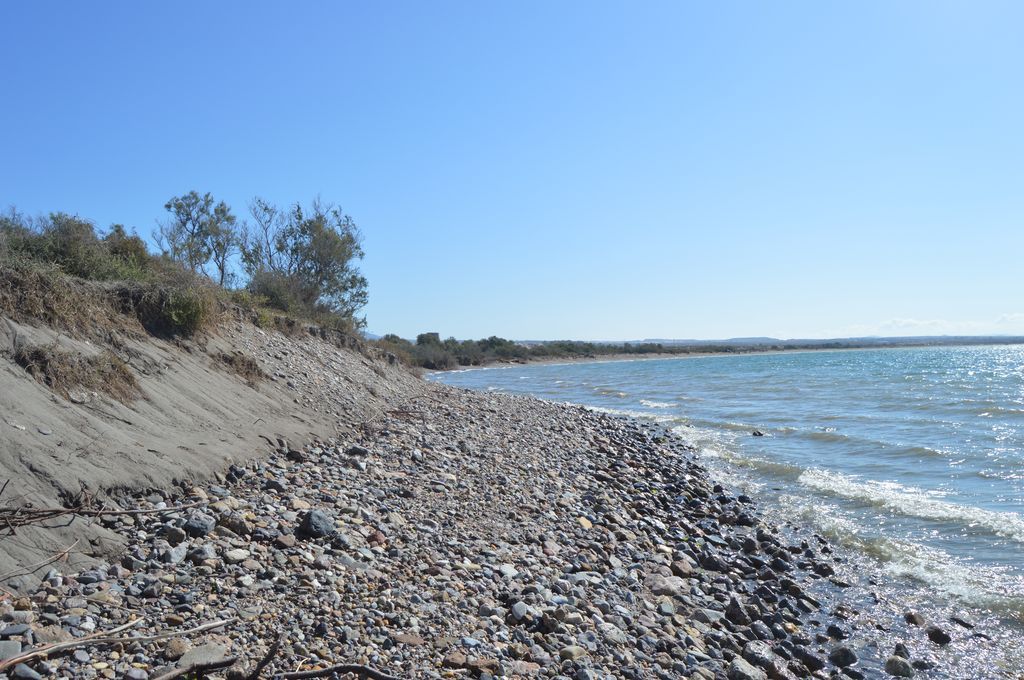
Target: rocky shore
<point>456,535</point>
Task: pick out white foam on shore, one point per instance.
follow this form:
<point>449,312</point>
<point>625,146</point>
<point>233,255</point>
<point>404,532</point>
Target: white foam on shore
<point>640,415</point>
<point>914,503</point>
<point>985,587</point>
<point>658,404</point>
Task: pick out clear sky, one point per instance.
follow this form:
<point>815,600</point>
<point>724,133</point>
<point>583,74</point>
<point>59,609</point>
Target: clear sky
<point>540,170</point>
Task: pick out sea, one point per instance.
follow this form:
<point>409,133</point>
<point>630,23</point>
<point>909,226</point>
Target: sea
<point>909,460</point>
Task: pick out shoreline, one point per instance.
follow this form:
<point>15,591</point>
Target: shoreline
<point>581,542</point>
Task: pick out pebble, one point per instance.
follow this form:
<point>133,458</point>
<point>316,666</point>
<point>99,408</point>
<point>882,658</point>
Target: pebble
<point>572,652</point>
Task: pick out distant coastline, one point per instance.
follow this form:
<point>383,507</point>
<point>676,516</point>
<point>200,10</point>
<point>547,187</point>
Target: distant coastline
<point>724,348</point>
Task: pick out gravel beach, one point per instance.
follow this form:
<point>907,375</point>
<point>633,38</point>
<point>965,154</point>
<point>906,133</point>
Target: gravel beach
<point>459,535</point>
<point>435,532</point>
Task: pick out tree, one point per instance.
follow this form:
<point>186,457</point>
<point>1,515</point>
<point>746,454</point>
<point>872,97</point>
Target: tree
<point>199,232</point>
<point>314,249</point>
<point>223,240</point>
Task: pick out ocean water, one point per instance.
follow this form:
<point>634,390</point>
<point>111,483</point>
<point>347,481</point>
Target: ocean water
<point>912,459</point>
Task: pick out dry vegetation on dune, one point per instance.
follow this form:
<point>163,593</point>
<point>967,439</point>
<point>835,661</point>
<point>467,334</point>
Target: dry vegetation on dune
<point>244,366</point>
<point>64,372</point>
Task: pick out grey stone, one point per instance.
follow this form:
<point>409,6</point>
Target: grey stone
<point>741,670</point>
<point>508,571</point>
<point>201,553</point>
<point>842,656</point>
<point>175,535</point>
<point>899,667</point>
<point>9,649</point>
<point>613,633</point>
<point>759,654</point>
<point>666,585</point>
<point>208,653</point>
<point>572,653</point>
<point>15,629</point>
<point>175,554</point>
<point>23,672</point>
<point>316,524</point>
<point>91,576</point>
<point>199,524</point>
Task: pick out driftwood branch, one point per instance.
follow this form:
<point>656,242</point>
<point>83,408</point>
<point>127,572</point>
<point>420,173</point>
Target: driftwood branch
<point>108,638</point>
<point>59,647</point>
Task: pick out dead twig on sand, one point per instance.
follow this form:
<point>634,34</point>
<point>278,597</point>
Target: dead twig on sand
<point>50,560</point>
<point>149,511</point>
<point>15,517</point>
<point>267,658</point>
<point>342,668</point>
<point>198,668</point>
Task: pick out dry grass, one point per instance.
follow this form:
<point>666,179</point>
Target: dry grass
<point>175,308</point>
<point>37,294</point>
<point>63,371</point>
<point>243,365</point>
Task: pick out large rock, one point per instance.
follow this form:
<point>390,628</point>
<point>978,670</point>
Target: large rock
<point>938,636</point>
<point>759,654</point>
<point>808,658</point>
<point>842,656</point>
<point>316,524</point>
<point>741,670</point>
<point>199,524</point>
<point>899,667</point>
<point>666,585</point>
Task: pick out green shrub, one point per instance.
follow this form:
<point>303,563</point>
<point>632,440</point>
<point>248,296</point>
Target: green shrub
<point>169,310</point>
<point>263,319</point>
<point>247,299</point>
<point>279,291</point>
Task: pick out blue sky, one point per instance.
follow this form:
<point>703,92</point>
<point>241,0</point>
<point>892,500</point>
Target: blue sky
<point>593,170</point>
